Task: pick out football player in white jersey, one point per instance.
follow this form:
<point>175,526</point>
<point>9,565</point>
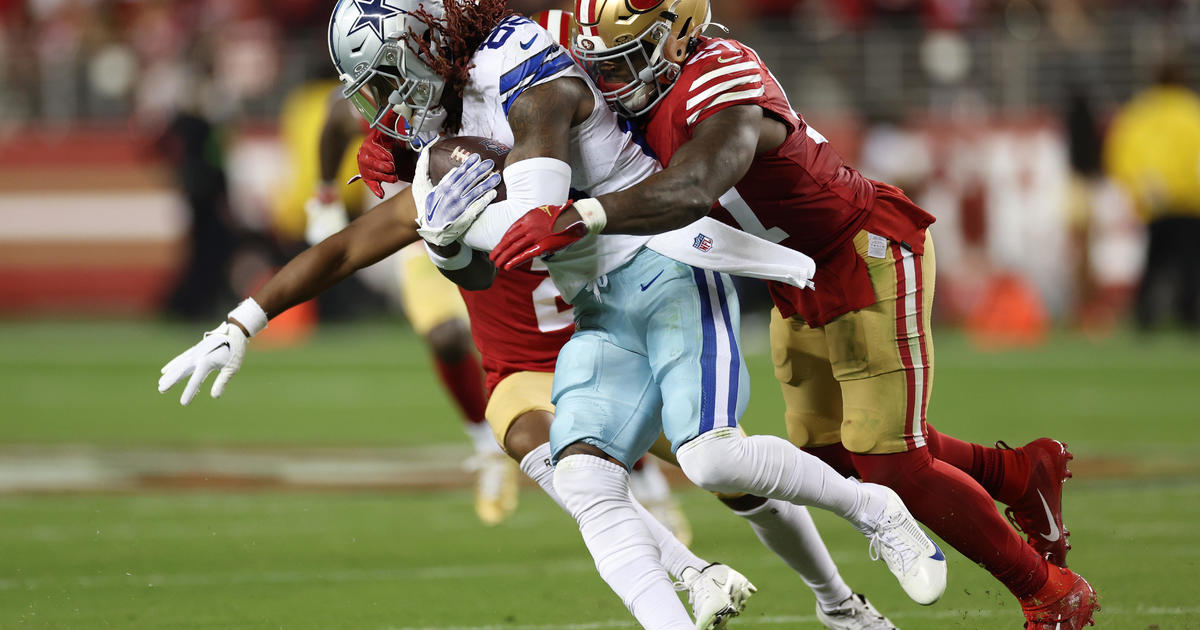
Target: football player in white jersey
<point>673,349</point>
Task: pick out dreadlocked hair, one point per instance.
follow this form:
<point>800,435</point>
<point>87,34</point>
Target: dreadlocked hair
<point>451,41</point>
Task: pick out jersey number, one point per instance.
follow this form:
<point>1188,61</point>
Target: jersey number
<point>746,219</point>
<point>499,35</point>
<point>545,304</point>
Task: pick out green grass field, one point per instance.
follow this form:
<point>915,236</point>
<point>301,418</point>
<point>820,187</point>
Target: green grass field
<point>402,560</point>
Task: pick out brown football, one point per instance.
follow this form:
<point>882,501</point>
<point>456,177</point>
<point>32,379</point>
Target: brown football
<point>445,155</point>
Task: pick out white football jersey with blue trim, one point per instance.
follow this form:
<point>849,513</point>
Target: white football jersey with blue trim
<point>518,55</point>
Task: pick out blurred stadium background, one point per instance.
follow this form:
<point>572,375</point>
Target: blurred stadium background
<point>155,159</point>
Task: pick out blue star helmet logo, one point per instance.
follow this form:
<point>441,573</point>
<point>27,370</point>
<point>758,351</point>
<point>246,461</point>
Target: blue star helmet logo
<point>371,15</point>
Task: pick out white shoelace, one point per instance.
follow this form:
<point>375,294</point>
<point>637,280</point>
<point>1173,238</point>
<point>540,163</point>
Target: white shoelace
<point>855,608</point>
<point>595,285</point>
<point>886,543</point>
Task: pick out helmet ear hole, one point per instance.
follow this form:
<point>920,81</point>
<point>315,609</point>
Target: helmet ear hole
<point>676,48</point>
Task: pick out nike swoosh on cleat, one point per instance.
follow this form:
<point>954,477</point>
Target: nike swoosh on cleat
<point>526,45</point>
<point>937,553</point>
<point>647,286</point>
<point>1054,534</point>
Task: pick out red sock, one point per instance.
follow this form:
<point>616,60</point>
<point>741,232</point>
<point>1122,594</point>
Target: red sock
<point>837,457</point>
<point>1058,582</point>
<point>1003,472</point>
<point>956,508</point>
<point>464,380</point>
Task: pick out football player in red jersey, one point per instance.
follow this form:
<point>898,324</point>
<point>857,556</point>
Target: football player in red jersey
<point>855,356</point>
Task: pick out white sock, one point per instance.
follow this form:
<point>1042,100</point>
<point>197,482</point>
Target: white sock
<point>536,465</point>
<point>596,492</point>
<point>767,466</point>
<point>788,530</point>
<point>675,555</point>
<point>482,437</point>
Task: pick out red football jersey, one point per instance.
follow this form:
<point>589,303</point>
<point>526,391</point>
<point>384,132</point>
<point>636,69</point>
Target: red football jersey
<point>801,194</point>
<point>560,24</point>
<point>519,323</point>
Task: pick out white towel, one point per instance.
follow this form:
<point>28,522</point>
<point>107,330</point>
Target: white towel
<point>710,244</point>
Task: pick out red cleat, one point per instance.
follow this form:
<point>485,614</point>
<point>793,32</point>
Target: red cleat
<point>1072,611</point>
<point>1038,513</point>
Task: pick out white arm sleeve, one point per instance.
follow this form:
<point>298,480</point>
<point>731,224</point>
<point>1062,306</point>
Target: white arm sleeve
<point>537,182</point>
<point>528,184</point>
<point>487,230</point>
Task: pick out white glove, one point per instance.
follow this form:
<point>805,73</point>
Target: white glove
<point>447,210</point>
<point>324,219</point>
<point>222,348</point>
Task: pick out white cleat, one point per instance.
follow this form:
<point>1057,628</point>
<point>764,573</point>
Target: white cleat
<point>855,613</point>
<point>911,555</point>
<point>496,488</point>
<point>716,594</point>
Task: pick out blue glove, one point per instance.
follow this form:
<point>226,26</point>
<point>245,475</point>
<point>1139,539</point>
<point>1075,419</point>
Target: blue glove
<point>447,210</point>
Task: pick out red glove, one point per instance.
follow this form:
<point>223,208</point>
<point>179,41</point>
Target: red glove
<point>533,235</point>
<point>375,162</point>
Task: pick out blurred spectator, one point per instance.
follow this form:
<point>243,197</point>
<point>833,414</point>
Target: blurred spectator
<point>1153,149</point>
<point>1083,152</point>
<point>194,146</point>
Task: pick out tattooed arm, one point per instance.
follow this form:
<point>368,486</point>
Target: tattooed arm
<point>541,119</point>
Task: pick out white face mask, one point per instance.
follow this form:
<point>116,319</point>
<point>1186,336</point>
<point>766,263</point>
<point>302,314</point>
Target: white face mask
<point>430,121</point>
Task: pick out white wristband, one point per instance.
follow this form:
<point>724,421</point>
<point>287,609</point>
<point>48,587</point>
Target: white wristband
<point>250,315</point>
<point>592,214</point>
<point>453,263</point>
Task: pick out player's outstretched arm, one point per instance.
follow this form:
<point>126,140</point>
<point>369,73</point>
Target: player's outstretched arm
<point>380,232</point>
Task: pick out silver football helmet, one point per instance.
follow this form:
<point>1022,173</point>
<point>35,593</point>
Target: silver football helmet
<point>381,73</point>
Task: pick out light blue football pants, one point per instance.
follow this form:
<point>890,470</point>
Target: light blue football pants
<point>656,348</point>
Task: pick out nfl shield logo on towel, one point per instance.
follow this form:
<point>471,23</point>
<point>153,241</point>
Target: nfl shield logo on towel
<point>702,243</point>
